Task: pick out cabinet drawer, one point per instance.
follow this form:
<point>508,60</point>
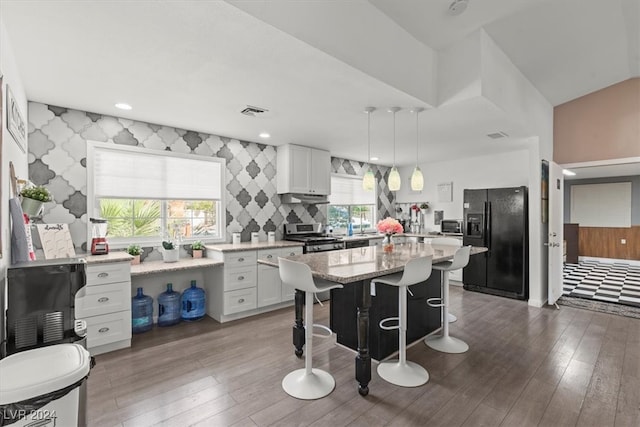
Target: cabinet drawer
<point>240,259</point>
<point>103,299</point>
<point>239,278</point>
<point>103,273</point>
<point>237,301</point>
<point>296,250</point>
<point>269,254</point>
<point>108,328</point>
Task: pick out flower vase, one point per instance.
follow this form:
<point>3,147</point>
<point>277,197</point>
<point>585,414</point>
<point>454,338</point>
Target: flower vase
<point>197,253</point>
<point>135,260</point>
<point>387,243</point>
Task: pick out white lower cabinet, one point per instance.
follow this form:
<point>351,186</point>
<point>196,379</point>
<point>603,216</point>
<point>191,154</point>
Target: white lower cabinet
<point>105,304</point>
<point>269,286</point>
<point>271,290</point>
<point>244,287</point>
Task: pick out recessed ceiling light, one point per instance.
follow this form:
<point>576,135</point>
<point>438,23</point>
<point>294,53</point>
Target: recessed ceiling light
<point>374,159</point>
<point>123,106</point>
<point>567,172</point>
<point>265,135</point>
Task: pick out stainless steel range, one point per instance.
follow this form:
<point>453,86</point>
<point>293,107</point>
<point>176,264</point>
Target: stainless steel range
<point>311,235</point>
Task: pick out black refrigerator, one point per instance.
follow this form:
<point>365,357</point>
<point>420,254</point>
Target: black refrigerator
<point>497,218</point>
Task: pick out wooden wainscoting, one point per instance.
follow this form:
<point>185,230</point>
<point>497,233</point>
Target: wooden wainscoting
<point>604,242</point>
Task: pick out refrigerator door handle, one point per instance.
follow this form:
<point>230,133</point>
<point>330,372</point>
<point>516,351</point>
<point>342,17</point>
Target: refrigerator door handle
<point>488,228</point>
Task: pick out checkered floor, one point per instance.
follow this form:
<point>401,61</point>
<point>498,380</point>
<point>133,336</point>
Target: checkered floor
<point>619,283</point>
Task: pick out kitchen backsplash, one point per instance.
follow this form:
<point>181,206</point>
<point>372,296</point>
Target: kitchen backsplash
<point>57,159</point>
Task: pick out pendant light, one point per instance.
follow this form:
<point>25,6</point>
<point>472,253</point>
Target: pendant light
<point>369,180</point>
<point>417,180</point>
<point>394,176</point>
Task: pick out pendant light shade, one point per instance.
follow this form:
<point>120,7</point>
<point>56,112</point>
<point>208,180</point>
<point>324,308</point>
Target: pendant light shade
<point>369,180</point>
<point>394,176</point>
<point>417,180</point>
<point>394,179</point>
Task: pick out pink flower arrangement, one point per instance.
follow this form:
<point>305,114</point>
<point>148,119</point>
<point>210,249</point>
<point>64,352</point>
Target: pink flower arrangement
<point>389,226</point>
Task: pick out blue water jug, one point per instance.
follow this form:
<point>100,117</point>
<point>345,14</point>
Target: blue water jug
<point>141,313</point>
<point>193,303</point>
<point>350,229</point>
<point>169,307</point>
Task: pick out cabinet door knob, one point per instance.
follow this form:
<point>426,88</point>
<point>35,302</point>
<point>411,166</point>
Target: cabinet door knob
<point>241,300</point>
<point>240,259</point>
<point>269,256</point>
<point>103,330</point>
<point>103,274</point>
<point>292,253</point>
<point>240,277</point>
<point>103,299</point>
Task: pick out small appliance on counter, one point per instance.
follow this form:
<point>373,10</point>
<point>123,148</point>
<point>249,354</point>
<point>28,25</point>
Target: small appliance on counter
<point>451,226</point>
<point>99,245</point>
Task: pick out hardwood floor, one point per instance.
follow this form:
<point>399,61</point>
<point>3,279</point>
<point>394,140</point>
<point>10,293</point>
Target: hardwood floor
<point>525,367</point>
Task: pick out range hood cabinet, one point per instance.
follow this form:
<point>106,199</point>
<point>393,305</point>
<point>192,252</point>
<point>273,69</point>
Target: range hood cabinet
<point>303,173</point>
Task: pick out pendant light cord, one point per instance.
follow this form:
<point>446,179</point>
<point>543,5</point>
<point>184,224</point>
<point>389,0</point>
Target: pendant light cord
<point>368,136</point>
<point>417,137</point>
<point>394,139</point>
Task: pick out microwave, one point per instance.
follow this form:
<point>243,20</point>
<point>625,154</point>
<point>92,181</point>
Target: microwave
<point>451,226</point>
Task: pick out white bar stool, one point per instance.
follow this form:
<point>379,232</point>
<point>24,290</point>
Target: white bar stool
<point>402,372</point>
<point>446,343</point>
<point>447,241</point>
<point>307,383</point>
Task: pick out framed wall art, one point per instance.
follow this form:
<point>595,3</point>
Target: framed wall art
<point>445,192</point>
<point>16,125</point>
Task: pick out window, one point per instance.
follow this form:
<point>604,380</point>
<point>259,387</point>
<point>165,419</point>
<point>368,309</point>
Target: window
<point>348,202</point>
<point>148,196</point>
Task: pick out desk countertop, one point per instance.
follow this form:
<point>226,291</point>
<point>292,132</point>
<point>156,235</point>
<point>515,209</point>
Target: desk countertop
<point>352,265</point>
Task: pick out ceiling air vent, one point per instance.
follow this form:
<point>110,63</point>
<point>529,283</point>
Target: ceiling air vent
<point>497,135</point>
<point>250,110</point>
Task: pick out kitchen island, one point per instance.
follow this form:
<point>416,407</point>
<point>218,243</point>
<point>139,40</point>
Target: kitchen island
<point>355,313</point>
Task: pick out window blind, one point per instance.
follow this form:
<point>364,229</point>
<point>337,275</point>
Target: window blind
<point>348,191</point>
<point>144,174</point>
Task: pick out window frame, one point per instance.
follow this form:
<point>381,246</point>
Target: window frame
<point>350,206</point>
<point>119,243</point>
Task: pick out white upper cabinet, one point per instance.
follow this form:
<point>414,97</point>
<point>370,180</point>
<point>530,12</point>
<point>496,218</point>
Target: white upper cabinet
<point>303,170</point>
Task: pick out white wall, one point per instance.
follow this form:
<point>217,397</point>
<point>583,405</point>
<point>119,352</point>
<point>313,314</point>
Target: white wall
<point>510,169</point>
<point>10,150</point>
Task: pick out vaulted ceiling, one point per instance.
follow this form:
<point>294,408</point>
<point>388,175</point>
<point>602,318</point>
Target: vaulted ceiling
<point>197,64</point>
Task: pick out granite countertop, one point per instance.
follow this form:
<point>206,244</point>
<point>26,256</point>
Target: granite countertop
<point>117,256</point>
<point>358,236</point>
<point>352,265</point>
<point>151,267</point>
<point>430,235</point>
<point>248,246</point>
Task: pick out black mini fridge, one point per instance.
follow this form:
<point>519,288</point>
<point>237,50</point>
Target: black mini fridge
<point>40,305</point>
<point>497,218</point>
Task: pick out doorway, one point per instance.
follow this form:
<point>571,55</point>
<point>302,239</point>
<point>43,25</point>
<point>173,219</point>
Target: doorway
<point>607,267</point>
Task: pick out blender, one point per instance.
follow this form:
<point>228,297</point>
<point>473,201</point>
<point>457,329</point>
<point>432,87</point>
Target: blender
<point>99,245</point>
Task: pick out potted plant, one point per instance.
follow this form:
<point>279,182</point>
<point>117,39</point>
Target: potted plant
<point>170,253</point>
<point>135,251</point>
<point>33,197</point>
<point>423,207</point>
<point>197,249</point>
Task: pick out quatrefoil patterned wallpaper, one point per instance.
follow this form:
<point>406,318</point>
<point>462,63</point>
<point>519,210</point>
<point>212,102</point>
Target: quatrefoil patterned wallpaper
<point>57,158</point>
